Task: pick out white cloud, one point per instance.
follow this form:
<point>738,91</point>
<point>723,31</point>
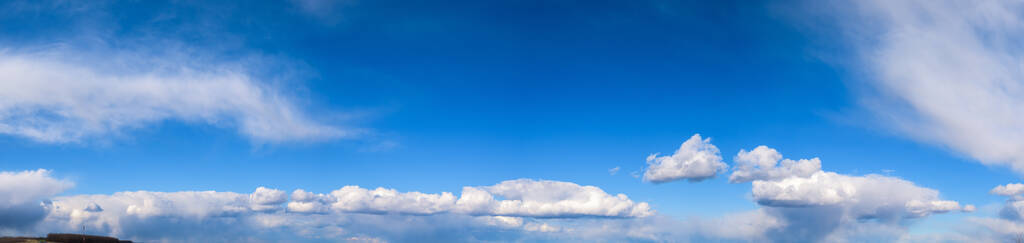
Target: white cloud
<point>948,71</point>
<point>695,160</point>
<point>827,205</point>
<point>614,171</point>
<point>59,95</point>
<point>29,186</point>
<point>519,198</point>
<point>763,163</point>
<point>267,199</point>
<point>816,205</point>
<point>872,196</point>
<point>22,196</point>
<point>353,199</point>
<point>524,206</point>
<point>1012,189</point>
<point>543,198</point>
<point>308,202</point>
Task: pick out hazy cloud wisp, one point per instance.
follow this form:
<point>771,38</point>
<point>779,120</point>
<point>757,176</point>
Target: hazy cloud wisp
<point>57,95</point>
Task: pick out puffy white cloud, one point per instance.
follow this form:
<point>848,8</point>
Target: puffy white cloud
<point>543,198</point>
<point>695,160</point>
<point>308,202</point>
<point>29,186</point>
<point>803,184</point>
<point>763,163</point>
<point>22,196</point>
<point>267,199</point>
<point>870,196</point>
<point>58,95</point>
<point>916,208</point>
<point>520,198</point>
<point>946,72</point>
<point>133,213</point>
<point>827,205</point>
<point>815,205</point>
<point>353,199</point>
<point>1012,189</point>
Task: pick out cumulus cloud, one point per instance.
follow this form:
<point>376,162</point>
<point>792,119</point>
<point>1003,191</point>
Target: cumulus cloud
<point>695,160</point>
<point>870,196</point>
<point>1012,189</point>
<point>816,205</point>
<point>353,199</point>
<point>543,198</point>
<point>518,198</point>
<point>947,72</point>
<point>22,196</point>
<point>308,202</point>
<point>763,163</point>
<point>60,95</point>
<point>267,199</point>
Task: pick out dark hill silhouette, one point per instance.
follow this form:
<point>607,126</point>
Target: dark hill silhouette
<point>63,238</point>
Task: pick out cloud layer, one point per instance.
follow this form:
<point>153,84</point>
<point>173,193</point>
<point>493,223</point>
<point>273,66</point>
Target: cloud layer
<point>521,198</point>
<point>798,202</point>
<point>764,163</point>
<point>517,205</point>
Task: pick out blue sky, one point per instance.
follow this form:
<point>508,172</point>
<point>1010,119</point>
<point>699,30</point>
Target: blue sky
<point>435,96</point>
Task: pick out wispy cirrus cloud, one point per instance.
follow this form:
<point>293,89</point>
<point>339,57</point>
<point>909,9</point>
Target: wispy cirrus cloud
<point>82,82</point>
<point>944,72</point>
<point>61,95</point>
